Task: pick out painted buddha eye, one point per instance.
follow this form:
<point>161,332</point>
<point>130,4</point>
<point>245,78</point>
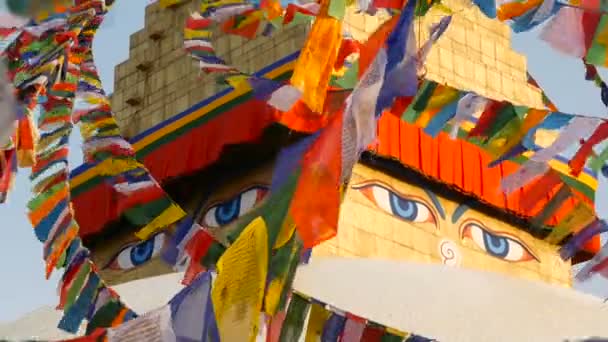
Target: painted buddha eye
<point>138,254</point>
<point>226,212</point>
<point>406,208</point>
<point>497,245</point>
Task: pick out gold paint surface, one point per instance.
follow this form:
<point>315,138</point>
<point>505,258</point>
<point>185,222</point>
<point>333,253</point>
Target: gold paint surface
<point>368,230</point>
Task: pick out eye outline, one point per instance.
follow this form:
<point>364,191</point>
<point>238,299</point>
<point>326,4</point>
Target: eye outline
<point>365,185</point>
<point>265,189</point>
<point>465,234</point>
<point>114,263</point>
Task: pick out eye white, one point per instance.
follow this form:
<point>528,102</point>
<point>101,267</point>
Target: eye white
<point>477,236</point>
<point>383,200</point>
<point>247,200</point>
<point>382,197</point>
<point>423,213</point>
<point>516,250</point>
<point>209,218</point>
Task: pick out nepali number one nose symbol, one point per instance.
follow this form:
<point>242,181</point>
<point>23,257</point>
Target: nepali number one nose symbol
<point>449,252</point>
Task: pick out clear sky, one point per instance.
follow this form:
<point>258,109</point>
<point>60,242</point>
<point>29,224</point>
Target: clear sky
<point>23,287</point>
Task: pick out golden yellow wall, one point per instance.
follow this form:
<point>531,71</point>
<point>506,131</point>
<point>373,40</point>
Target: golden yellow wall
<point>366,230</point>
<point>473,54</point>
<point>159,80</point>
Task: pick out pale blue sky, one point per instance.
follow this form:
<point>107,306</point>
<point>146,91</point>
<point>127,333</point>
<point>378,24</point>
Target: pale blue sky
<point>23,287</point>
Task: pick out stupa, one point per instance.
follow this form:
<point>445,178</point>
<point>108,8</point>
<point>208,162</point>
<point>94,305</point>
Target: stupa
<point>420,209</point>
<point>167,109</point>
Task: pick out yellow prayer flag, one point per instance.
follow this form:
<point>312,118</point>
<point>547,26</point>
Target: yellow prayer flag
<point>578,218</point>
<point>239,83</point>
<point>113,166</point>
<point>316,321</point>
<point>162,221</point>
<point>532,119</point>
<point>442,96</point>
<point>196,34</point>
<point>238,291</point>
<point>286,232</point>
<point>169,3</point>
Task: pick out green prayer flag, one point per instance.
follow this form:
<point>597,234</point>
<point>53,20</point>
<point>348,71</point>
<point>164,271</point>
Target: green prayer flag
<point>507,132</point>
<point>216,250</point>
<point>388,337</point>
<point>350,78</point>
<point>300,18</point>
<point>420,102</point>
<point>337,9</point>
<point>143,214</point>
<point>61,261</point>
<point>578,217</point>
<point>521,111</point>
<point>504,116</point>
<point>104,316</point>
<point>77,285</point>
<point>596,54</point>
<point>294,319</point>
<point>598,161</point>
<point>423,6</point>
<point>296,249</point>
<point>38,200</point>
<point>562,194</point>
<point>275,210</point>
<point>277,22</point>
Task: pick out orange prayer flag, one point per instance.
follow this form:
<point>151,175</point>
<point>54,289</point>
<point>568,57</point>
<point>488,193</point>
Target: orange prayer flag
<point>61,245</point>
<point>301,119</point>
<point>26,137</point>
<point>273,9</point>
<point>315,65</point>
<point>515,9</point>
<point>47,206</point>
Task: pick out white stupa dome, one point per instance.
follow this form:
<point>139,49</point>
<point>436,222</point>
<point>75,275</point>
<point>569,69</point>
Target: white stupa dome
<point>435,301</point>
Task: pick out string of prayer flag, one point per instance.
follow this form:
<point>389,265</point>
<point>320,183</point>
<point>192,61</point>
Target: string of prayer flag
<point>328,323</point>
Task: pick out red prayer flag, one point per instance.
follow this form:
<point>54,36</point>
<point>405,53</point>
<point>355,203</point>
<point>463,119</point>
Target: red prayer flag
<point>372,334</point>
<point>537,192</point>
<point>291,11</point>
<point>316,203</point>
<point>248,31</point>
<point>580,158</point>
<point>486,119</point>
<point>197,248</point>
<point>347,48</point>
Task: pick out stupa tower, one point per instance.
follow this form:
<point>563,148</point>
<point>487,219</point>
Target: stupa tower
<point>447,213</point>
<point>159,80</point>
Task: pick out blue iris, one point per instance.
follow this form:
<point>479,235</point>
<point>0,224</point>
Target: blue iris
<point>405,209</point>
<point>228,211</point>
<point>496,245</point>
<point>142,252</point>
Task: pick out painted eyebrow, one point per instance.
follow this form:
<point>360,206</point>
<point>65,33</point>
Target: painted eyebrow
<point>436,203</point>
<point>459,211</point>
